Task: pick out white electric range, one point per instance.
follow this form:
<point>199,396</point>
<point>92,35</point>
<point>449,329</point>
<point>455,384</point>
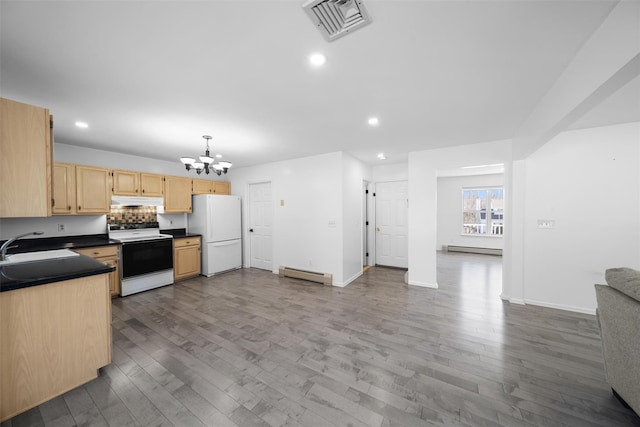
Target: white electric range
<point>146,260</point>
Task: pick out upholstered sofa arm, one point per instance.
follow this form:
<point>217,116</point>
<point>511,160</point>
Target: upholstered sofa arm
<point>619,320</point>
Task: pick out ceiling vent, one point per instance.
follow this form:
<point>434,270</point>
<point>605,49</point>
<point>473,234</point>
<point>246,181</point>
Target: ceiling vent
<point>337,18</point>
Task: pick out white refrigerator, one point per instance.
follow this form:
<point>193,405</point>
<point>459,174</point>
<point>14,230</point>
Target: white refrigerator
<point>217,219</point>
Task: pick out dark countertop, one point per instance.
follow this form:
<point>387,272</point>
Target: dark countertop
<point>179,233</point>
<point>26,274</point>
<point>63,242</point>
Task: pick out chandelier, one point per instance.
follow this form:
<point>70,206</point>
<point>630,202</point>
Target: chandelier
<point>206,163</point>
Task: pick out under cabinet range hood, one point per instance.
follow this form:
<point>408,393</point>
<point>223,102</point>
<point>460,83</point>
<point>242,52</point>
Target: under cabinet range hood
<point>136,201</point>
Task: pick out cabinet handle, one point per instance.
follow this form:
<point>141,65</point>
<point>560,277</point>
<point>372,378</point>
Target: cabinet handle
<point>53,202</point>
<point>143,190</point>
<point>79,207</point>
<point>69,207</point>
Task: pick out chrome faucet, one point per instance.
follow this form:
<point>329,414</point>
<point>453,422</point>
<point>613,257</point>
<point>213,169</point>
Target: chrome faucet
<point>5,245</point>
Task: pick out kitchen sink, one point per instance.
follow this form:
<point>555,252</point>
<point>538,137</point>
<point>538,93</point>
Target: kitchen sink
<point>38,256</point>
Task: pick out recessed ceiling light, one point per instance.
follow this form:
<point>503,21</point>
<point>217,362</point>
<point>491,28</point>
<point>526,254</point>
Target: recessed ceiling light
<point>82,125</point>
<point>381,156</point>
<point>317,59</point>
<point>373,121</point>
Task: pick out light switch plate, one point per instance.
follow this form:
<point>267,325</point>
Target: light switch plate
<point>546,223</point>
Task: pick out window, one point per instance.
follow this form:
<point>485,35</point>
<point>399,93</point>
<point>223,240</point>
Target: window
<point>476,203</point>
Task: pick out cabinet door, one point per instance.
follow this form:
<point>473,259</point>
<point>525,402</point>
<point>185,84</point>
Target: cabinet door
<point>25,160</point>
<point>152,185</point>
<point>202,186</point>
<point>64,189</point>
<point>108,255</point>
<point>220,187</point>
<point>114,277</point>
<point>125,183</point>
<point>186,259</point>
<point>93,190</point>
<point>177,194</point>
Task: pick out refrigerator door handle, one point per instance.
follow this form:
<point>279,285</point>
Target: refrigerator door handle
<point>225,243</point>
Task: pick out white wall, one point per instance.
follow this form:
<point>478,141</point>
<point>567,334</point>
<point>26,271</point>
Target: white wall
<point>319,227</point>
<point>392,172</point>
<point>74,225</point>
<point>307,229</point>
<point>353,174</point>
<point>422,173</point>
<point>449,221</point>
<point>588,182</point>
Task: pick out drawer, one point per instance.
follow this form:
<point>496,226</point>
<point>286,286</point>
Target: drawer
<point>99,251</point>
<point>186,241</point>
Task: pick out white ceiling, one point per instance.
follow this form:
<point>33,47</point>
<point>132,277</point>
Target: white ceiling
<point>152,77</point>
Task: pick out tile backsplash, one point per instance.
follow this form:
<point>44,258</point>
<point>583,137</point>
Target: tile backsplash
<point>132,215</point>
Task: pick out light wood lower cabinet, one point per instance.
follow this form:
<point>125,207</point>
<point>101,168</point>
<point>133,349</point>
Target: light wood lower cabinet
<point>186,257</point>
<point>108,255</point>
<point>55,337</point>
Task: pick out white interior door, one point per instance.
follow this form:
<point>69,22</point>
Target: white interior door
<point>391,224</point>
<point>260,225</point>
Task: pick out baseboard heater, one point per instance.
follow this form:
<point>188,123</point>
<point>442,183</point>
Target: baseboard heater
<point>312,276</point>
<point>472,250</point>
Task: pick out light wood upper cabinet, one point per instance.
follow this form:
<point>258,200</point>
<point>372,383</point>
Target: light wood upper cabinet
<point>220,187</point>
<point>130,183</point>
<point>177,194</point>
<point>93,190</point>
<point>125,183</point>
<point>26,153</point>
<point>64,189</point>
<point>202,186</point>
<point>152,185</point>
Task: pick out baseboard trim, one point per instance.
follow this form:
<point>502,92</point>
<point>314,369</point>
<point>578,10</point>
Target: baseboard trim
<point>423,284</point>
<point>345,283</point>
<point>582,310</point>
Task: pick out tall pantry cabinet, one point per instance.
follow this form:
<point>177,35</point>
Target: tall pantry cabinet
<point>26,153</point>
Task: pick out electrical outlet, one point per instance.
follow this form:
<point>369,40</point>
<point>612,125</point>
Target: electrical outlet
<point>60,227</point>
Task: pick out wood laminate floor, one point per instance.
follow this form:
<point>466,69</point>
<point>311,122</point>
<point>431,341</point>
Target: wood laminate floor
<point>251,349</point>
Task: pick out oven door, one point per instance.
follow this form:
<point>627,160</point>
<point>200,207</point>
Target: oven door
<point>146,257</point>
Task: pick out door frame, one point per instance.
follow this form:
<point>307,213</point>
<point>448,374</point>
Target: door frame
<point>371,217</point>
<point>247,233</point>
